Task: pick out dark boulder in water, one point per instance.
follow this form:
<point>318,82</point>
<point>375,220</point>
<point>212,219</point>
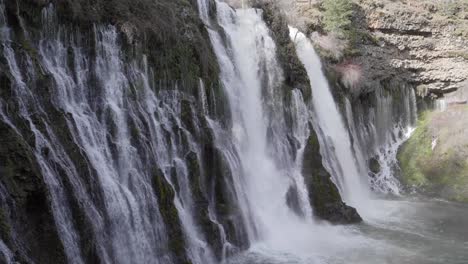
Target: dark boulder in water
<point>323,194</point>
<point>339,213</point>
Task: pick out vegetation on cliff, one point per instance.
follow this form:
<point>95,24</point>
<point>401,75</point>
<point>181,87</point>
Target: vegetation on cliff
<point>337,17</point>
<point>435,159</point>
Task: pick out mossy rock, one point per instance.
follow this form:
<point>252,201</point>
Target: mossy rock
<point>5,228</point>
<point>428,166</point>
<point>323,194</point>
<point>170,215</point>
<point>374,165</point>
<point>201,203</point>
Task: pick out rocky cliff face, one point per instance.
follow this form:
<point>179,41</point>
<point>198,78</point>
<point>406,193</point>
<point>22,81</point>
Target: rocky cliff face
<point>429,39</point>
<point>423,44</point>
<point>429,44</point>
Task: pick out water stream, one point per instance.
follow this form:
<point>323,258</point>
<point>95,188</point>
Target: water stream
<point>142,171</point>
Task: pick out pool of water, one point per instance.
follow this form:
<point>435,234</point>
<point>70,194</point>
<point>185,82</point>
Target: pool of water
<point>404,231</point>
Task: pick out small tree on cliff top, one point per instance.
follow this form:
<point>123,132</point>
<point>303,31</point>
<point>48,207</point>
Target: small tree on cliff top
<point>337,17</point>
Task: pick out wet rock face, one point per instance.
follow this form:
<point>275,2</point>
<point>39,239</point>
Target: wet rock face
<point>340,213</point>
<point>323,194</point>
<point>177,48</point>
<point>24,208</point>
<point>374,165</point>
<point>169,32</point>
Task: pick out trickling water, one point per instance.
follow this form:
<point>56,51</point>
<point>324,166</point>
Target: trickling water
<point>29,104</point>
<point>380,130</point>
<point>123,184</point>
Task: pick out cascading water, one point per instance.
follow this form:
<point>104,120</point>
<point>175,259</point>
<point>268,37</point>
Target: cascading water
<point>251,77</point>
<point>380,130</point>
<point>142,170</point>
<point>106,122</point>
<point>265,167</point>
<point>120,134</point>
<point>346,168</point>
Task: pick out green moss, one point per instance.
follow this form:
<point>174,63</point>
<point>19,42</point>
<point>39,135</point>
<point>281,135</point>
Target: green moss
<point>166,195</point>
<point>443,174</point>
<point>415,152</point>
<point>351,51</point>
<point>337,16</point>
<point>374,165</point>
<point>324,196</point>
<point>5,228</point>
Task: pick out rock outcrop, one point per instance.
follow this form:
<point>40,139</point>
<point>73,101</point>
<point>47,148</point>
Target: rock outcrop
<point>431,41</point>
<point>423,43</point>
<point>323,194</point>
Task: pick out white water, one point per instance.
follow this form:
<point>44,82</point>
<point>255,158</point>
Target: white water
<point>347,171</point>
<point>394,234</point>
<point>251,76</point>
<point>255,145</point>
<point>380,130</point>
<point>121,207</point>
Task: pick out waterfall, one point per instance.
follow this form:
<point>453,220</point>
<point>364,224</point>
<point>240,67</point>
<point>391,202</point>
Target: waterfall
<point>127,160</point>
<point>138,169</point>
<point>345,167</point>
<point>252,77</point>
<point>368,133</point>
<point>265,154</point>
<point>379,131</point>
<point>109,109</point>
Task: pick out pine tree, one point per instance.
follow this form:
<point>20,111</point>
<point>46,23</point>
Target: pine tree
<point>337,16</point>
